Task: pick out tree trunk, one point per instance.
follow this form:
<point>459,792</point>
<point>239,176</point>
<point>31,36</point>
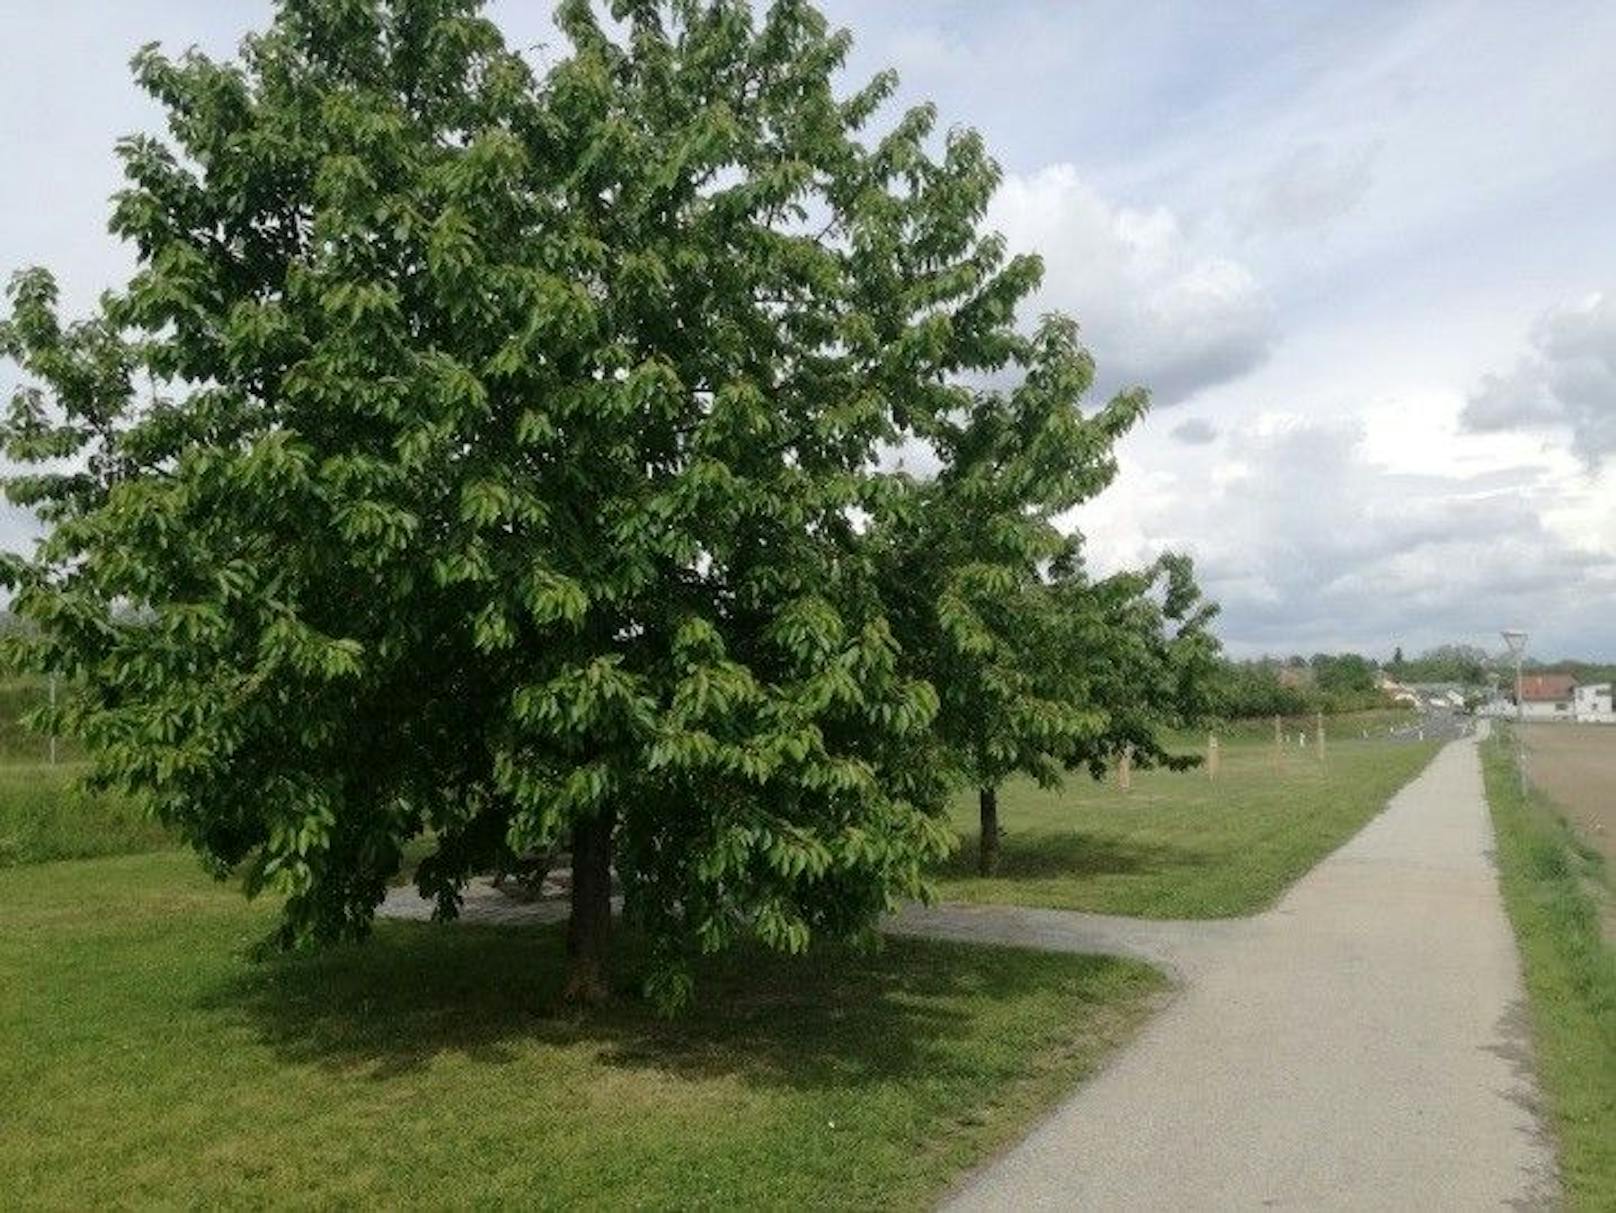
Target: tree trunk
<point>589,930</point>
<point>987,854</point>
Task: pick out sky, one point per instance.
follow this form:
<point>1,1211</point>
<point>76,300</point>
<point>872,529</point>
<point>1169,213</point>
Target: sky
<point>1363,255</point>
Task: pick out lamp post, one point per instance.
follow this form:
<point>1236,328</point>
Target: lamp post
<point>1516,640</point>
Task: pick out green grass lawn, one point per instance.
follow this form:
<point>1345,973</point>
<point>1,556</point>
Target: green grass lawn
<point>44,815</point>
<point>1180,845</point>
<point>1344,726</point>
<point>144,1061</point>
<point>1551,881</point>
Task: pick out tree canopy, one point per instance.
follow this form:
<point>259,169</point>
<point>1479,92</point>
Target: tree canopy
<point>1343,673</point>
<point>1040,668</point>
<point>502,456</point>
<point>1461,663</point>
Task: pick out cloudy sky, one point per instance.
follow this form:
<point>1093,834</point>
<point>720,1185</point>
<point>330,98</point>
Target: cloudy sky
<point>1364,255</point>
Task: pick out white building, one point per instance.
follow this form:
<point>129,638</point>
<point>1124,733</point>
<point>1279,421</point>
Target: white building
<point>1592,704</point>
<point>1555,696</point>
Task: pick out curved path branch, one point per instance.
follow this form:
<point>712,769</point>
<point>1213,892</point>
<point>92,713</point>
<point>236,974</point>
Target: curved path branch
<point>1183,948</point>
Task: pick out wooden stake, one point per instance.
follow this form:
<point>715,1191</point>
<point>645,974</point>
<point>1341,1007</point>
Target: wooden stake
<point>1277,744</point>
<point>1211,755</point>
<point>1125,769</point>
<point>1321,736</point>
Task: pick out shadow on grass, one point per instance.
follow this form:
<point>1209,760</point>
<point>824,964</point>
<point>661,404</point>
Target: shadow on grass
<point>1039,855</point>
<point>835,1018</point>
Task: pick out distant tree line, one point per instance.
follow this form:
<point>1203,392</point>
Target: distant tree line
<point>1348,682</point>
<point>1474,667</point>
<point>1296,686</point>
<point>1462,663</point>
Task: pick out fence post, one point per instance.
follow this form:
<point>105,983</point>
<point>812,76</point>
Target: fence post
<point>1211,755</point>
<point>1321,737</point>
<point>1276,745</point>
<point>1125,769</point>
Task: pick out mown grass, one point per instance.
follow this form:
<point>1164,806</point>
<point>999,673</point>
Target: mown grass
<point>46,815</point>
<point>44,812</point>
<point>1180,845</point>
<point>1343,726</point>
<point>144,1061</point>
<point>1551,883</point>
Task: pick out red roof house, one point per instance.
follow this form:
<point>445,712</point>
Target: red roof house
<point>1547,688</point>
<point>1548,696</point>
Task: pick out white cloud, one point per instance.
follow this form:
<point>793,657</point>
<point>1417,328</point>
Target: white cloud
<point>1567,382</point>
<point>1309,187</point>
<point>1197,431</point>
<point>1310,543</point>
<point>1156,309</point>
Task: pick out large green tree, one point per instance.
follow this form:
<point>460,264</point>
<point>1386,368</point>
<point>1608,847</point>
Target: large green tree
<point>496,455</point>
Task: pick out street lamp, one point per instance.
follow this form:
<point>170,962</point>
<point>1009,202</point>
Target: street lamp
<point>1516,640</point>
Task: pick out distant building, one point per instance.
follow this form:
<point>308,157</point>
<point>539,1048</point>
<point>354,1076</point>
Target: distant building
<point>1396,691</point>
<point>1592,704</point>
<point>1447,696</point>
<point>1548,696</point>
<point>1555,696</point>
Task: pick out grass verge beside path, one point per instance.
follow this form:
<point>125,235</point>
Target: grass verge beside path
<point>1180,845</point>
<point>145,1062</point>
<point>1548,879</point>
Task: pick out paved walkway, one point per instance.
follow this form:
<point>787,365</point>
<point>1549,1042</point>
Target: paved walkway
<point>1184,948</point>
<point>1362,1045</point>
<point>480,902</point>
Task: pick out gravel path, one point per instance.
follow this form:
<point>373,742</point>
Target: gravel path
<point>1362,1045</point>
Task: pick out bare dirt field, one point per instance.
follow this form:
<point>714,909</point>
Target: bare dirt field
<point>1575,766</point>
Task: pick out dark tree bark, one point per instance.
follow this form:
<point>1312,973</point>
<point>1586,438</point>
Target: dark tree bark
<point>987,854</point>
<point>589,930</point>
